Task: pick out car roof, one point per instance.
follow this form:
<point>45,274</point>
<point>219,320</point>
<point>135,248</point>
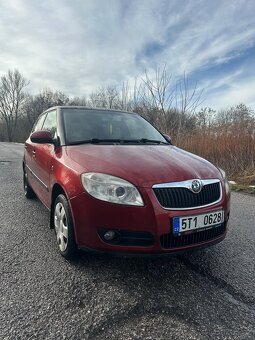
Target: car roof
<point>85,108</point>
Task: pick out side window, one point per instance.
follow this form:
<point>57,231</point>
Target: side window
<point>50,123</point>
<point>39,123</point>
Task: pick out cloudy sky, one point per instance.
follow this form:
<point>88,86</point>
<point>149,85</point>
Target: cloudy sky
<point>76,46</point>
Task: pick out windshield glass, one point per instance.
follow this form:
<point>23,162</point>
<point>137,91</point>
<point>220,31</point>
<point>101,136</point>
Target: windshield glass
<point>95,126</point>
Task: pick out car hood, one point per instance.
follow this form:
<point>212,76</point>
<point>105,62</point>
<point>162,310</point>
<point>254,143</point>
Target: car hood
<point>142,165</point>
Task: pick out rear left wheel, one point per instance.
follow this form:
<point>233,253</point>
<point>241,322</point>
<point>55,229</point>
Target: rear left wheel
<point>63,224</point>
<point>28,191</point>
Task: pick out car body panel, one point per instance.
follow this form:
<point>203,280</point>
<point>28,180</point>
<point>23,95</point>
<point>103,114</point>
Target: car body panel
<point>142,165</point>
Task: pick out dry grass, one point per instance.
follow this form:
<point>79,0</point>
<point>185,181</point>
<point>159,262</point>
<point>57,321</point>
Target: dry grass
<point>232,150</point>
<point>243,188</point>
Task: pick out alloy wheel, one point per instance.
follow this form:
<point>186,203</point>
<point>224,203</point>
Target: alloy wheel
<point>61,226</point>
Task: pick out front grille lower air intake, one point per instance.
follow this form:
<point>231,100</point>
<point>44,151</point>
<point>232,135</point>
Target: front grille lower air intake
<point>169,241</point>
<point>179,195</point>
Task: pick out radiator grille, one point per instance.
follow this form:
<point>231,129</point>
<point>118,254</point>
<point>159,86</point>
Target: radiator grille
<point>173,197</point>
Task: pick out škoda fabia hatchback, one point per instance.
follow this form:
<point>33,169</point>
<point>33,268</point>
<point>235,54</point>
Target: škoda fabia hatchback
<point>114,183</point>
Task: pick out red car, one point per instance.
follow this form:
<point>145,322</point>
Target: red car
<point>114,183</point>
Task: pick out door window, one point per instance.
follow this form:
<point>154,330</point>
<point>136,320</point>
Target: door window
<point>50,123</point>
<point>39,123</point>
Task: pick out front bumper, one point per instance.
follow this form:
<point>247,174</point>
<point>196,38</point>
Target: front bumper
<point>91,215</point>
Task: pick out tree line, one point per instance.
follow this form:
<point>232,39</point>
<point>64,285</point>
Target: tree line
<point>153,96</point>
<point>173,107</point>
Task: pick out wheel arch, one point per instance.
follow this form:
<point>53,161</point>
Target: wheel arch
<point>57,189</point>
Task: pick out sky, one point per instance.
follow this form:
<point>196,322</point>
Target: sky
<point>78,46</point>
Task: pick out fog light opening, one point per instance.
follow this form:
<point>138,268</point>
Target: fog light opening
<point>109,235</point>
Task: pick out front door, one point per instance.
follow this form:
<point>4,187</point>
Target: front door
<point>43,157</point>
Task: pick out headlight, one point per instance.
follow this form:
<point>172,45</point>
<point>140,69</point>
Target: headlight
<point>111,189</point>
<point>223,173</point>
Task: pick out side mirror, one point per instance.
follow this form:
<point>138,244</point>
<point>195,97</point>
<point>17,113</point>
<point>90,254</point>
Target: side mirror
<point>42,137</point>
<point>168,138</point>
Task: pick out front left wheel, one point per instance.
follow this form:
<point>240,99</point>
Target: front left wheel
<point>63,224</point>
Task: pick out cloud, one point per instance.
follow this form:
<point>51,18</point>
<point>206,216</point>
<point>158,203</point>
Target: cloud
<point>235,92</point>
<point>80,45</point>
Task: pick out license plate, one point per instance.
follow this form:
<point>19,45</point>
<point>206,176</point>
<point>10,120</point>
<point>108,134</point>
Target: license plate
<point>195,222</point>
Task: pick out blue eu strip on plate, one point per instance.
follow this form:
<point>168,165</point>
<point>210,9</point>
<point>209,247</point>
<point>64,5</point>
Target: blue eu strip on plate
<point>176,225</point>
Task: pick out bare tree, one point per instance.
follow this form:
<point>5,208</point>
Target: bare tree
<point>187,98</point>
<point>35,105</point>
<point>105,97</point>
<point>167,104</point>
<point>157,91</point>
<point>12,97</point>
<point>234,114</point>
<point>78,101</point>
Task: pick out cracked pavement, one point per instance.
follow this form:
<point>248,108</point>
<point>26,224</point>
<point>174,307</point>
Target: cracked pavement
<point>207,294</point>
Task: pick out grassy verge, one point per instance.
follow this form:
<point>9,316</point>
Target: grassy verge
<point>244,183</point>
<point>243,188</point>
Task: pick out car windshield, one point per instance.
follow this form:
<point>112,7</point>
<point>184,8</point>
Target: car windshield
<point>108,127</point>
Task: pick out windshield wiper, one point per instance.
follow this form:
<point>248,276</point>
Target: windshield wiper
<point>117,141</point>
<point>151,141</point>
<point>98,141</point>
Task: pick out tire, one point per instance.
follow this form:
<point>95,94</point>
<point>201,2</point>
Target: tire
<point>28,191</point>
<point>63,224</point>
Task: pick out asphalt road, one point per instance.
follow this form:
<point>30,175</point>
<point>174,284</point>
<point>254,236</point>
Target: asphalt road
<point>208,294</point>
